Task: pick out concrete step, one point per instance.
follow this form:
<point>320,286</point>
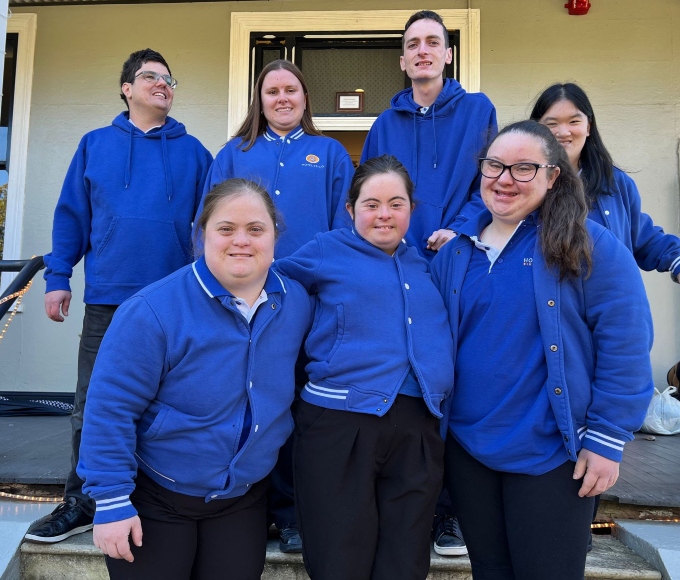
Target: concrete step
<point>78,559</point>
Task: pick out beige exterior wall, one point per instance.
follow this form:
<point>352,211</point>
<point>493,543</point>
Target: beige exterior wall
<point>626,54</point>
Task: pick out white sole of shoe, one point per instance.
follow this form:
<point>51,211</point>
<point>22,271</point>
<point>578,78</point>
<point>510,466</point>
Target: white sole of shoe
<point>55,539</point>
<point>443,551</point>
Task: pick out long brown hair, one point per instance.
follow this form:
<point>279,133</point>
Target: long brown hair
<point>564,238</point>
<point>255,123</point>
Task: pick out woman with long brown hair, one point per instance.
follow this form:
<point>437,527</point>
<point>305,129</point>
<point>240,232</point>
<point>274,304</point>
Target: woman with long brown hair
<point>551,378</point>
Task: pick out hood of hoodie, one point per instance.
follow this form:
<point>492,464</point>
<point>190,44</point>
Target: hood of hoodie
<point>443,105</point>
<point>170,130</point>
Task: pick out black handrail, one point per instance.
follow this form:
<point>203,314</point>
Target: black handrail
<point>27,269</point>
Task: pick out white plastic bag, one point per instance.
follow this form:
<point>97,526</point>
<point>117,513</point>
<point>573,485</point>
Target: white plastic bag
<point>663,414</point>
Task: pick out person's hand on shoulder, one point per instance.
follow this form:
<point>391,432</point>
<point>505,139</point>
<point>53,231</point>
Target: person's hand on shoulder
<point>439,238</point>
<point>599,473</point>
<point>57,303</point>
<point>113,538</point>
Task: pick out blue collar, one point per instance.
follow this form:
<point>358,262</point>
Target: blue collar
<point>295,134</point>
<point>214,289</point>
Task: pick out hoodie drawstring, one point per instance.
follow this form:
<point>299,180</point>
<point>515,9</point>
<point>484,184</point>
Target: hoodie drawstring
<point>128,167</point>
<point>434,136</point>
<point>166,167</point>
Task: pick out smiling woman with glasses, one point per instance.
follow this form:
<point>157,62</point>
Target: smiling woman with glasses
<point>551,379</point>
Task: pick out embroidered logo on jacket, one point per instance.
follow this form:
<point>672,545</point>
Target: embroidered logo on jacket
<point>528,261</point>
<point>313,161</point>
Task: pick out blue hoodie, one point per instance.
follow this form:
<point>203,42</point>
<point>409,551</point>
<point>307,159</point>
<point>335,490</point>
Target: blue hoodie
<point>307,176</point>
<point>439,149</point>
<point>127,205</point>
<point>171,396</point>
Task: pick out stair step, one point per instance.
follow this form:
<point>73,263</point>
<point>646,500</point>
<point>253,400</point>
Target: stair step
<point>78,559</point>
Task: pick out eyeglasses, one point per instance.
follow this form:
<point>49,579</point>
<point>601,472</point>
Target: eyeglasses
<point>151,76</point>
<point>518,171</point>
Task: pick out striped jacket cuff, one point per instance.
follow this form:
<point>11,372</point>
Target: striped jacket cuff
<point>114,509</point>
<point>603,444</point>
<point>675,269</point>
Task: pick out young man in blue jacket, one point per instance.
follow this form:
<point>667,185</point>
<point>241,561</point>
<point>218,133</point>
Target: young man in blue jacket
<point>126,206</point>
<point>436,129</point>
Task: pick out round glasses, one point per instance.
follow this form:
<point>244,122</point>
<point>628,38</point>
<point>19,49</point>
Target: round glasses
<point>526,171</point>
<point>151,76</point>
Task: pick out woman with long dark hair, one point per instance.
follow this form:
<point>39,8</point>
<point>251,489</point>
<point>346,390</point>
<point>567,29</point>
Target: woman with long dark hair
<point>551,378</point>
<point>612,196</point>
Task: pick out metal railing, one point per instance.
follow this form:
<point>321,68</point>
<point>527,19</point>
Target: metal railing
<point>27,269</point>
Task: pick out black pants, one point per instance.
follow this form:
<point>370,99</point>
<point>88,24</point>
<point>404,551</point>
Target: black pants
<point>365,490</point>
<point>186,538</point>
<point>519,527</point>
<point>95,322</point>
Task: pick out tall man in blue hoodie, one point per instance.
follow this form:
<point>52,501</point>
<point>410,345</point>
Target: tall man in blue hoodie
<point>126,206</point>
<point>436,129</point>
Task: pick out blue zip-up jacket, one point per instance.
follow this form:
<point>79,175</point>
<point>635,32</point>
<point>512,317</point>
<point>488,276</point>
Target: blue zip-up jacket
<point>619,209</point>
<point>596,332</point>
<point>127,205</point>
<point>176,371</point>
<point>440,150</point>
<point>376,317</point>
<point>307,176</point>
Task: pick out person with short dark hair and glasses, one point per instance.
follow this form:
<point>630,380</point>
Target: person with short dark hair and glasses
<point>126,206</point>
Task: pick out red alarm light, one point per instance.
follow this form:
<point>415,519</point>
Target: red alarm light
<point>578,7</point>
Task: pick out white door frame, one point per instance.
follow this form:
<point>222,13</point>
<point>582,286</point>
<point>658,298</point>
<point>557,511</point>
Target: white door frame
<point>25,25</point>
<point>243,23</point>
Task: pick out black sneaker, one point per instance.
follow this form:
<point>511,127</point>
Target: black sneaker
<point>448,539</point>
<point>290,541</point>
<point>65,521</point>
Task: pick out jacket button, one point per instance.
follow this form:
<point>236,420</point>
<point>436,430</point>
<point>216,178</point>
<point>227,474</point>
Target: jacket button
<point>273,306</point>
<point>606,212</point>
<point>281,163</point>
<point>409,320</point>
<point>455,291</point>
<point>553,347</point>
<point>558,391</point>
<point>458,252</point>
<point>568,451</point>
<point>277,192</point>
<point>566,439</point>
<point>384,400</point>
<point>407,286</point>
<point>378,410</point>
<point>214,497</point>
<point>551,303</point>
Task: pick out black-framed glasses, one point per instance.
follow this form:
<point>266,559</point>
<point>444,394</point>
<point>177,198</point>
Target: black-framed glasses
<point>151,76</point>
<point>526,171</point>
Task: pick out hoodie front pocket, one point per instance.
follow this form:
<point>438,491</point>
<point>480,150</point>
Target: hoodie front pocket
<point>138,251</point>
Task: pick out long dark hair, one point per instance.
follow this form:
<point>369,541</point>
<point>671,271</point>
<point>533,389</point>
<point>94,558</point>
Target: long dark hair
<point>255,123</point>
<point>597,167</point>
<point>564,239</point>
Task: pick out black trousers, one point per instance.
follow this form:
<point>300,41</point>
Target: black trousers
<point>95,322</point>
<point>365,490</point>
<point>519,527</point>
<point>185,538</point>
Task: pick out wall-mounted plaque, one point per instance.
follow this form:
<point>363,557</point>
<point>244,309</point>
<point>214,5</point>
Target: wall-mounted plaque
<point>349,102</point>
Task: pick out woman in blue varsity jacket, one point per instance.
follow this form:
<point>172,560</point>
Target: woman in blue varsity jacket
<point>190,400</point>
<point>612,196</point>
<point>368,453</point>
<point>552,371</point>
<point>307,176</point>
